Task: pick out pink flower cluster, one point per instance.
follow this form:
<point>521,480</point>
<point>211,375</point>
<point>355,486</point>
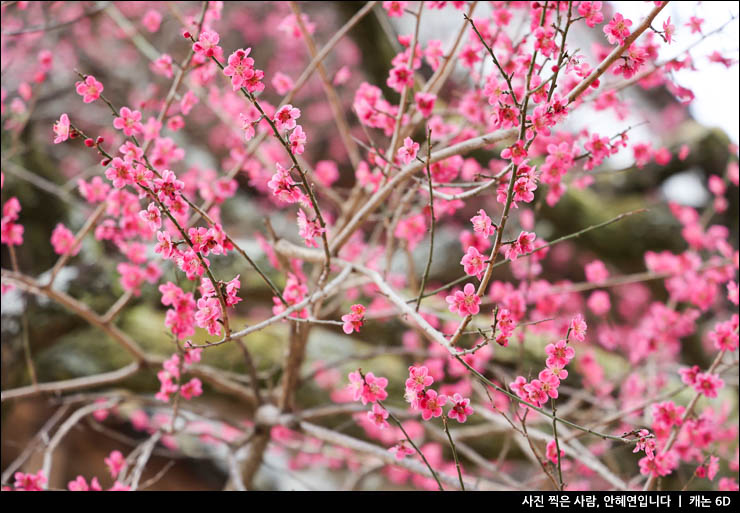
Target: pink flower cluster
<point>10,230</point>
<point>89,89</point>
<point>428,401</point>
<point>523,244</point>
<point>309,230</point>
<point>464,302</point>
<point>353,321</point>
<point>704,383</point>
<point>367,388</point>
<point>539,391</point>
<point>242,72</point>
<point>63,241</point>
<point>408,151</point>
<point>129,121</point>
<point>180,317</point>
<point>284,188</point>
<point>295,292</point>
<point>62,129</point>
<point>482,224</point>
<point>29,482</point>
<point>169,377</point>
<point>504,324</point>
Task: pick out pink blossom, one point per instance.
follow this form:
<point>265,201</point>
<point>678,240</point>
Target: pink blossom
<point>400,76</point>
<point>115,463</point>
<point>353,321</point>
<point>401,450</point>
<point>152,216</point>
<point>695,24</point>
<point>689,374</point>
<point>132,276</point>
<point>192,354</point>
<point>283,186</point>
<point>240,68</point>
<point>167,386</point>
<point>712,467</point>
<point>431,406</point>
<point>425,103</point>
<point>668,30</point>
<point>549,383</point>
<point>516,153</point>
<point>119,487</point>
<point>521,246</point>
<point>341,76</point>
<point>119,173</point>
<point>482,224</point>
<point>378,416</point>
<point>523,188</point>
<point>535,393</point>
<point>207,44</point>
<point>465,302</point>
<point>724,336</point>
<point>505,325</point>
<point>208,314</point>
<point>285,117</point>
<point>129,121</point>
<point>282,83</point>
<point>618,29</point>
<point>326,172</point>
<point>683,152</point>
<point>599,303</point>
<point>596,271</point>
<point>708,384</point>
<point>411,229</point>
<point>192,388</point>
<point>728,484</point>
<point>667,413</point>
<point>419,379</point>
<point>62,129</point>
<point>162,65</point>
<point>559,354</point>
<point>578,328</point>
<point>309,230</point>
<point>659,465</point>
<point>289,25</point>
<point>80,485</point>
<point>370,389</point>
<point>407,152</point>
<point>551,451</point>
<point>297,140</point>
<point>248,126</point>
<point>187,102</point>
<point>461,409</point>
<point>473,263</point>
<point>591,11</point>
<point>151,20</point>
<point>89,89</point>
<point>395,8</point>
<point>101,414</point>
<point>433,53</point>
<point>29,482</point>
<point>63,241</point>
<point>645,442</point>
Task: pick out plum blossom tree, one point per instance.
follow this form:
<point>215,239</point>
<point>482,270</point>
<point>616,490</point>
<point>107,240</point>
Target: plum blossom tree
<point>240,173</point>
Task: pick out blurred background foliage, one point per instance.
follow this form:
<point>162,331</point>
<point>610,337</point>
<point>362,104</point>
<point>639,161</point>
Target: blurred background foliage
<point>64,346</point>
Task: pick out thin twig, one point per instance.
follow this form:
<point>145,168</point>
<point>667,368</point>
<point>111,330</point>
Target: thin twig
<point>557,441</point>
<point>454,452</point>
<point>431,220</point>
